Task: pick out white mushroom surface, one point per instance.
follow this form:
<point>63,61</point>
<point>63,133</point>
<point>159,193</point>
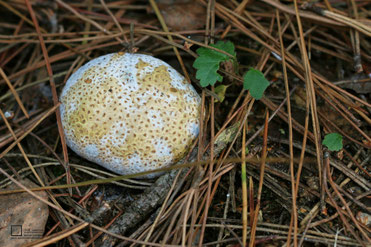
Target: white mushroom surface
<point>129,113</point>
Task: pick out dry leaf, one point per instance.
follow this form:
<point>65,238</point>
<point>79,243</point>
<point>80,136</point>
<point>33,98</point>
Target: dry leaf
<point>22,216</point>
<point>183,16</point>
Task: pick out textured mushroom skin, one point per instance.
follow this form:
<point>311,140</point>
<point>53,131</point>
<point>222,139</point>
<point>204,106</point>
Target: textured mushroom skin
<point>129,113</point>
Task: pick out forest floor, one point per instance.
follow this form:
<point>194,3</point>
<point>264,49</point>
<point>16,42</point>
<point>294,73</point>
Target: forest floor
<point>260,172</point>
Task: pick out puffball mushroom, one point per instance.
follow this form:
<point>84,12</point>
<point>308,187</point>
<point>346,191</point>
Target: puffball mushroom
<point>129,113</point>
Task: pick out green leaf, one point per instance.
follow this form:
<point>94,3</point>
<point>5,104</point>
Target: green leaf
<point>207,68</point>
<point>225,46</point>
<point>333,141</point>
<point>255,81</point>
<point>208,62</point>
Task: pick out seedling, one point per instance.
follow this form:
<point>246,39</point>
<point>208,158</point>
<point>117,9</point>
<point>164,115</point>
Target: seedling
<point>208,64</point>
<point>333,141</point>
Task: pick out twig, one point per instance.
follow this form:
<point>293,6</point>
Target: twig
<point>343,20</point>
<point>292,172</point>
<point>261,179</point>
<point>244,187</point>
<point>14,92</point>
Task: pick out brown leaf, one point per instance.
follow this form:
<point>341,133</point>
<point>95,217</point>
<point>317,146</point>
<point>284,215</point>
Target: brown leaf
<point>22,216</point>
<point>183,16</point>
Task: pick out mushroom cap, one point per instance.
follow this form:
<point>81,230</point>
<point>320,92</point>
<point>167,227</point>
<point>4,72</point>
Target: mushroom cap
<point>129,113</point>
